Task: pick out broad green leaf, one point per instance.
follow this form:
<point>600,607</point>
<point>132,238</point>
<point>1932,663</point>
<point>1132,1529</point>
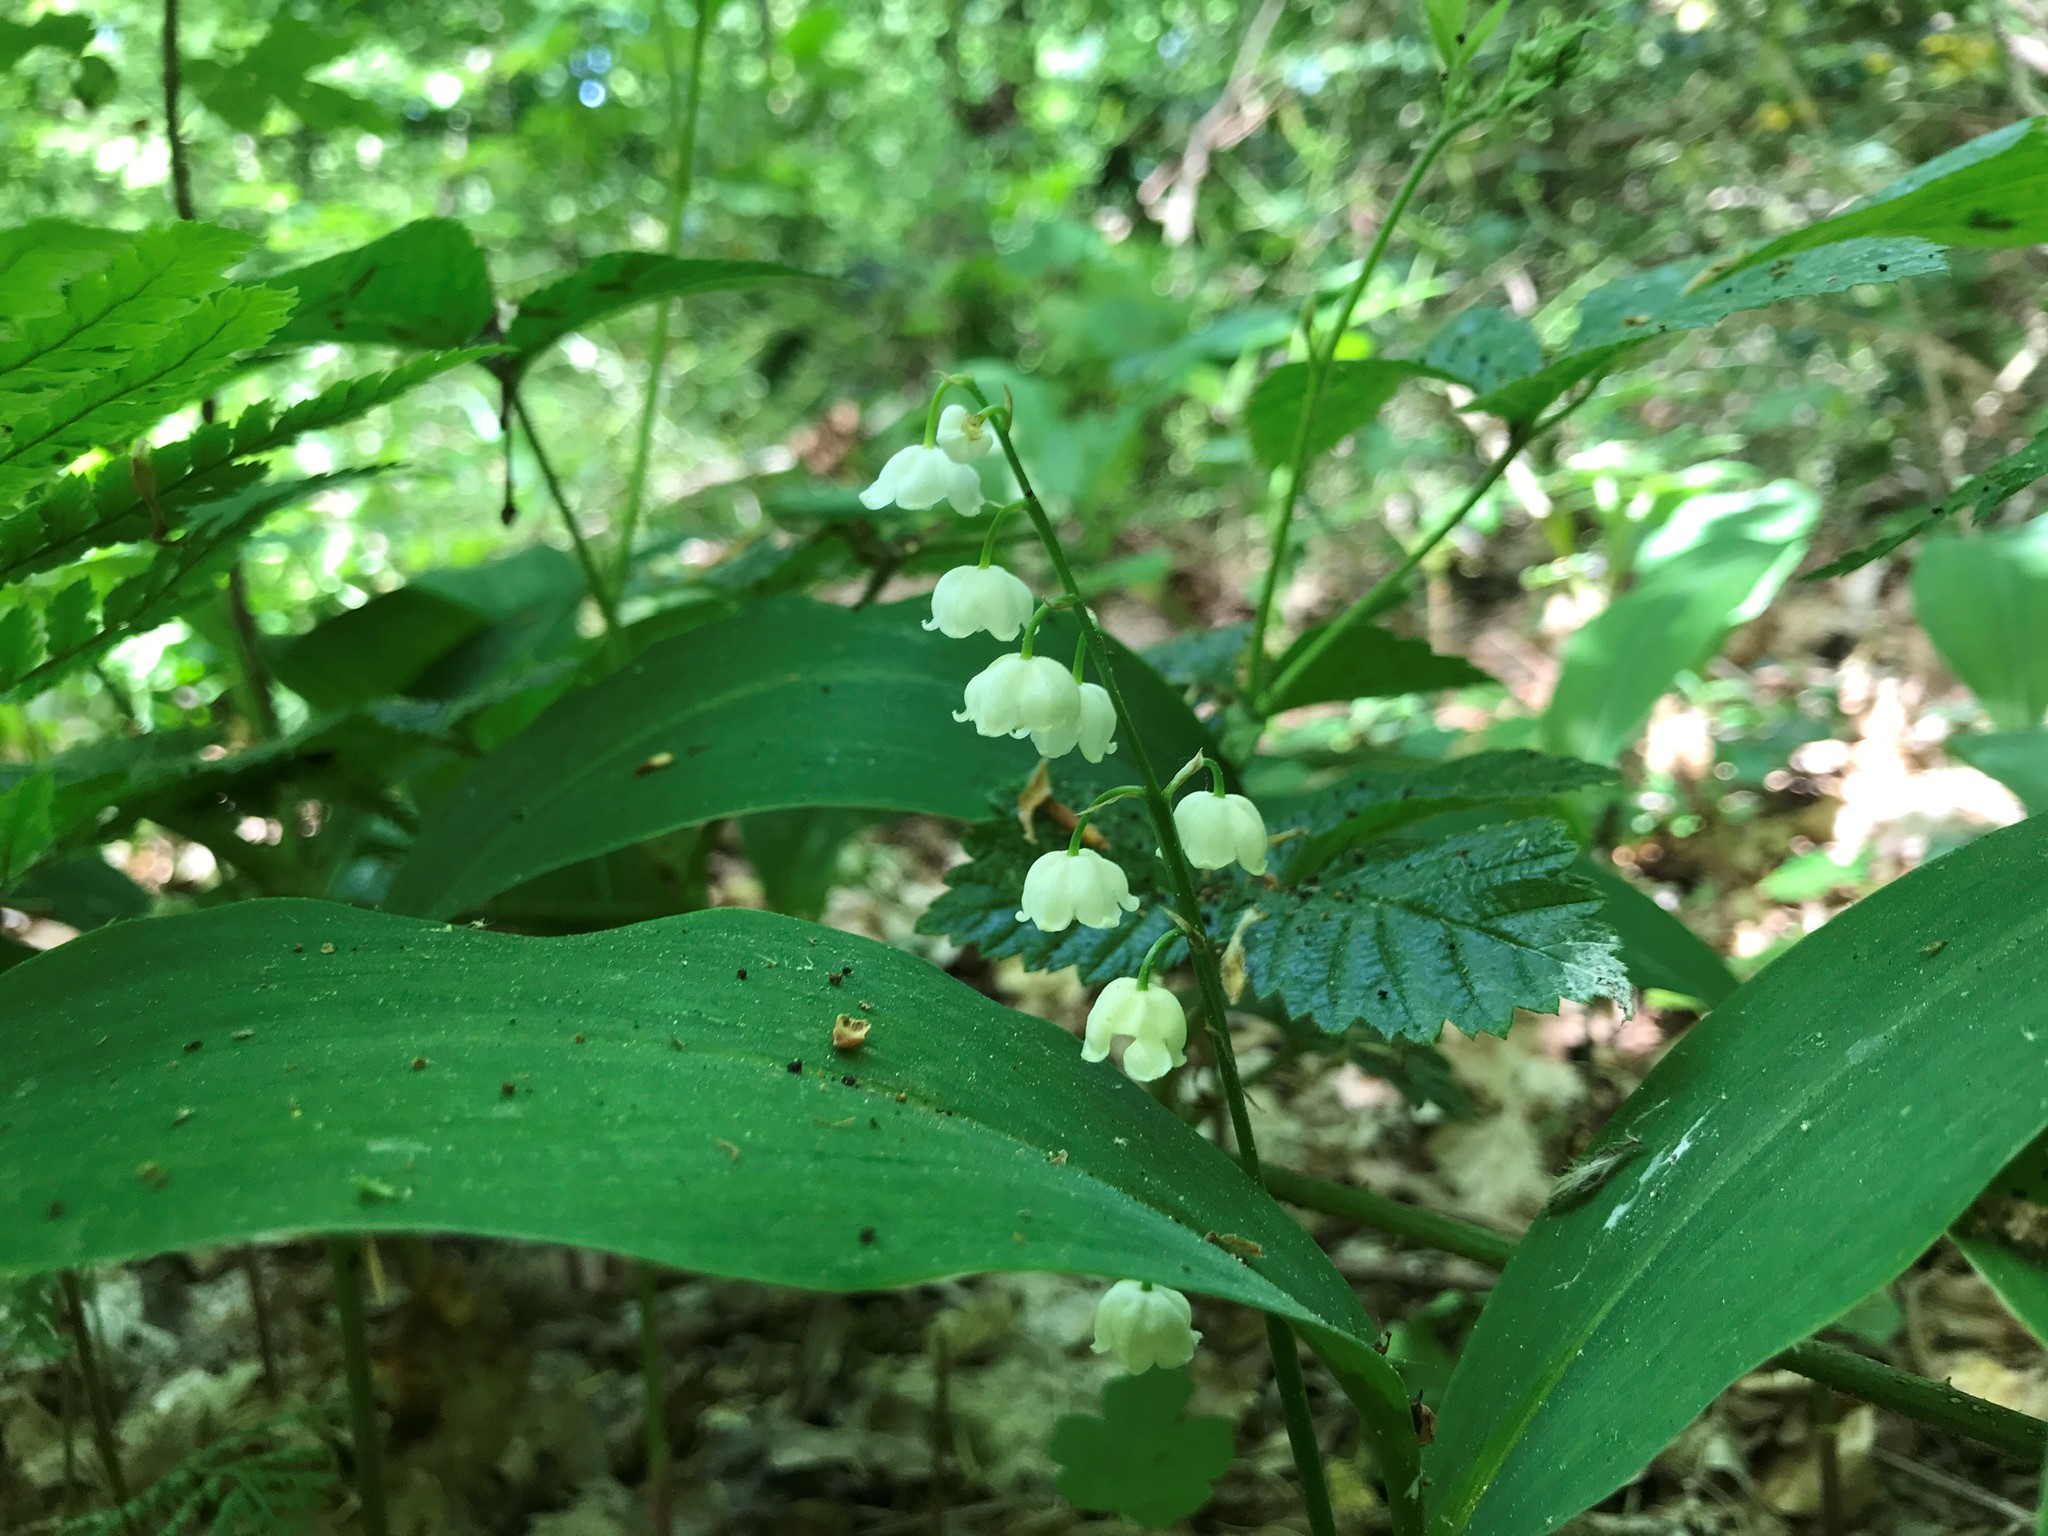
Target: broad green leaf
<point>1983,493</point>
<point>1630,311</point>
<point>1984,604</point>
<point>377,649</point>
<point>1716,563</point>
<point>1368,662</point>
<point>25,829</point>
<point>1992,191</point>
<point>795,854</point>
<point>1461,930</point>
<point>1352,397</point>
<point>1658,949</point>
<point>424,285</point>
<point>244,88</point>
<point>104,506</point>
<point>786,703</point>
<point>176,365</point>
<point>81,890</point>
<point>667,1091</point>
<point>2017,759</point>
<point>1799,1148</point>
<point>66,33</point>
<point>2019,1278</point>
<point>1141,1457</point>
<point>1485,348</point>
<point>620,280</point>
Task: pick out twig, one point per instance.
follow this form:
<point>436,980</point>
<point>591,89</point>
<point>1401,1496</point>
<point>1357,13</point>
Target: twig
<point>259,1310</point>
<point>96,1399</point>
<point>1954,1486</point>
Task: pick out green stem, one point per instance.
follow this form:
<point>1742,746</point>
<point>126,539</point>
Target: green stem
<point>1388,587</point>
<point>2041,1519</point>
<point>96,1399</point>
<point>345,1263</point>
<point>1934,1403</point>
<point>1319,364</point>
<point>1152,956</point>
<point>599,592</point>
<point>1215,1008</point>
<point>995,523</point>
<point>683,123</point>
<point>655,1398</point>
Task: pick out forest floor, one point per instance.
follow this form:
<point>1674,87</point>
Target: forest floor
<point>510,1375</point>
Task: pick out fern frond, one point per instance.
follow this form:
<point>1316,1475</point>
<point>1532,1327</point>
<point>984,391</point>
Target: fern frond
<point>269,1479</point>
<point>189,359</point>
<point>104,506</point>
<point>106,315</point>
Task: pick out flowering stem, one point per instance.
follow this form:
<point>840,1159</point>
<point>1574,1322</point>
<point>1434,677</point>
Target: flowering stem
<point>1388,1394</point>
<point>995,523</point>
<point>1320,361</point>
<point>1031,628</point>
<point>1152,956</point>
<point>1080,662</point>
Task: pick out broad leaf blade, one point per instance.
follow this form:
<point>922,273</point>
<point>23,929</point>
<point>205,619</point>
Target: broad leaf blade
<point>1485,348</point>
<point>25,828</point>
<point>1658,949</point>
<point>620,280</point>
<point>1982,494</point>
<point>423,285</point>
<point>1984,604</point>
<point>1368,662</point>
<point>667,1091</point>
<point>2017,759</point>
<point>1352,397</point>
<point>1766,1202</point>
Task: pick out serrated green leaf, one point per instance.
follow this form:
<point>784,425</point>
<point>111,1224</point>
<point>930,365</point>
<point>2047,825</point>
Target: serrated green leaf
<point>1626,314</point>
<point>1463,931</point>
<point>963,1137</point>
<point>1982,494</point>
<point>41,259</point>
<point>786,703</point>
<point>1761,1206</point>
<point>620,280</point>
<point>424,285</point>
<point>1367,662</point>
<point>1485,348</point>
<point>1141,1458</point>
<point>1352,397</point>
<point>1992,191</point>
<point>25,829</point>
<point>178,364</point>
<point>104,506</point>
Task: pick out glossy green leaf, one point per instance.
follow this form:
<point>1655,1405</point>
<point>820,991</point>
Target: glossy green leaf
<point>1984,604</point>
<point>1352,397</point>
<point>1716,563</point>
<point>1658,950</point>
<point>1141,1457</point>
<point>668,1091</point>
<point>424,285</point>
<point>1625,314</point>
<point>1460,930</point>
<point>1368,662</point>
<point>2017,759</point>
<point>25,829</point>
<point>786,703</point>
<point>380,648</point>
<point>2019,1278</point>
<point>1992,191</point>
<point>621,280</point>
<point>1799,1148</point>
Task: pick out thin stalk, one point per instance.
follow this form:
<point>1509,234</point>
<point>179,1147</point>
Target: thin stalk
<point>599,592</point>
<point>654,1410</point>
<point>1387,587</point>
<point>1321,357</point>
<point>345,1261</point>
<point>181,169</point>
<point>259,1310</point>
<point>2041,1518</point>
<point>1826,1435</point>
<point>682,113</point>
<point>1934,1403</point>
<point>1215,1008</point>
<point>96,1398</point>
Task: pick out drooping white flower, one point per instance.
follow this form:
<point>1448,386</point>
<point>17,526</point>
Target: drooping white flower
<point>1145,1325</point>
<point>972,598</point>
<point>1093,728</point>
<point>964,437</point>
<point>918,477</point>
<point>1015,695</point>
<point>1217,830</point>
<point>1149,1016</point>
<point>1063,887</point>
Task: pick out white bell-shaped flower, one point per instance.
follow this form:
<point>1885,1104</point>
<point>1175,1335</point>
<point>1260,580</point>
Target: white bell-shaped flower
<point>1063,887</point>
<point>918,477</point>
<point>1015,695</point>
<point>1145,1325</point>
<point>972,598</point>
<point>1217,830</point>
<point>963,435</point>
<point>1091,731</point>
<point>1149,1016</point>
